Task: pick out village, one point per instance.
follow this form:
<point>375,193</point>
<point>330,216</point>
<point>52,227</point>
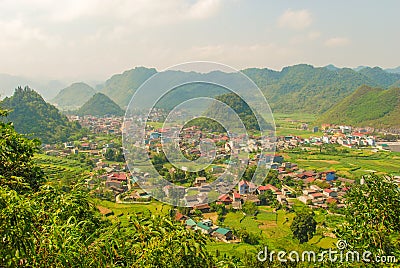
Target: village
<point>112,180</point>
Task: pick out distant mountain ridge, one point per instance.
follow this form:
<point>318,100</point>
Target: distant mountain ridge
<point>47,88</point>
<point>367,106</point>
<point>74,96</point>
<point>393,70</point>
<point>307,89</point>
<point>100,105</point>
<point>120,87</point>
<point>31,114</point>
<point>299,88</point>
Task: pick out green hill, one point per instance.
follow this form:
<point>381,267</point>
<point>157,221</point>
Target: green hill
<point>393,70</point>
<point>74,96</point>
<point>100,105</point>
<point>120,87</point>
<point>216,113</point>
<point>382,78</point>
<point>307,89</point>
<point>299,88</point>
<point>32,115</point>
<point>367,106</point>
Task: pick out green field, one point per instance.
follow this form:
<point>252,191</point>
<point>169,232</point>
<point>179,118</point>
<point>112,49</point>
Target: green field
<point>289,124</point>
<point>121,211</point>
<point>62,168</point>
<point>352,165</point>
<point>282,131</point>
<point>275,234</point>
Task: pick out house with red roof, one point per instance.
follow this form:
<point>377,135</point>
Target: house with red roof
<point>225,199</point>
<point>263,188</point>
<point>236,197</point>
<point>180,217</point>
<point>330,193</point>
<point>309,180</point>
<point>118,176</point>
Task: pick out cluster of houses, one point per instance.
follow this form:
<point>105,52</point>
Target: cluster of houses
<point>189,139</point>
<point>350,140</point>
<point>206,227</point>
<point>99,125</point>
<point>332,134</point>
<point>246,191</point>
<point>334,189</point>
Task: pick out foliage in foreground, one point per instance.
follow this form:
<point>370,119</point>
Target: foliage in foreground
<point>373,213</point>
<point>47,226</point>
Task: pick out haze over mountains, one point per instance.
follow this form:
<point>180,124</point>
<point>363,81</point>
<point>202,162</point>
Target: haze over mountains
<point>47,88</point>
<point>74,96</point>
<point>295,89</point>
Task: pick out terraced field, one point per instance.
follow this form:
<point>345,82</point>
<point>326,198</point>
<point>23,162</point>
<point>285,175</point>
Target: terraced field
<point>62,168</point>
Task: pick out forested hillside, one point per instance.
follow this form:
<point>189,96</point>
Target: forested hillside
<point>367,106</point>
<point>307,89</point>
<point>31,114</point>
<point>100,105</point>
<point>298,88</point>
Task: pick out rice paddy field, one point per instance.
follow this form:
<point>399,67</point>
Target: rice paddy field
<point>352,164</point>
<point>275,233</point>
<point>58,168</point>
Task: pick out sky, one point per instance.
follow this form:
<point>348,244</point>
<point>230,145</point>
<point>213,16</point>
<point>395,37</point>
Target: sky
<point>95,39</point>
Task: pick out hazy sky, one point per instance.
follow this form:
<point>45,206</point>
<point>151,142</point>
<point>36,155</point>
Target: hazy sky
<point>96,38</point>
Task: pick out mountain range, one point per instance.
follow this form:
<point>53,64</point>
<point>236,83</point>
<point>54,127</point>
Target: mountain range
<point>307,89</point>
<point>299,88</point>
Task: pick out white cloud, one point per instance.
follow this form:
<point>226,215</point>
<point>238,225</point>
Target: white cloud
<point>204,9</point>
<point>304,38</point>
<point>15,33</point>
<point>337,42</point>
<point>295,19</point>
<point>138,11</point>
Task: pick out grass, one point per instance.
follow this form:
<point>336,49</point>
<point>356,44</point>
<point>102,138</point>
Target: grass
<point>225,249</point>
<point>61,168</point>
<point>277,234</point>
<point>300,117</point>
<point>352,165</point>
<point>323,242</point>
<point>121,211</point>
<point>274,234</point>
<point>285,131</point>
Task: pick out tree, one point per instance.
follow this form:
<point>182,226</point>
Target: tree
<point>109,155</point>
<point>17,169</point>
<point>249,208</point>
<point>48,226</point>
<point>303,226</point>
<point>267,198</point>
<point>372,216</point>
